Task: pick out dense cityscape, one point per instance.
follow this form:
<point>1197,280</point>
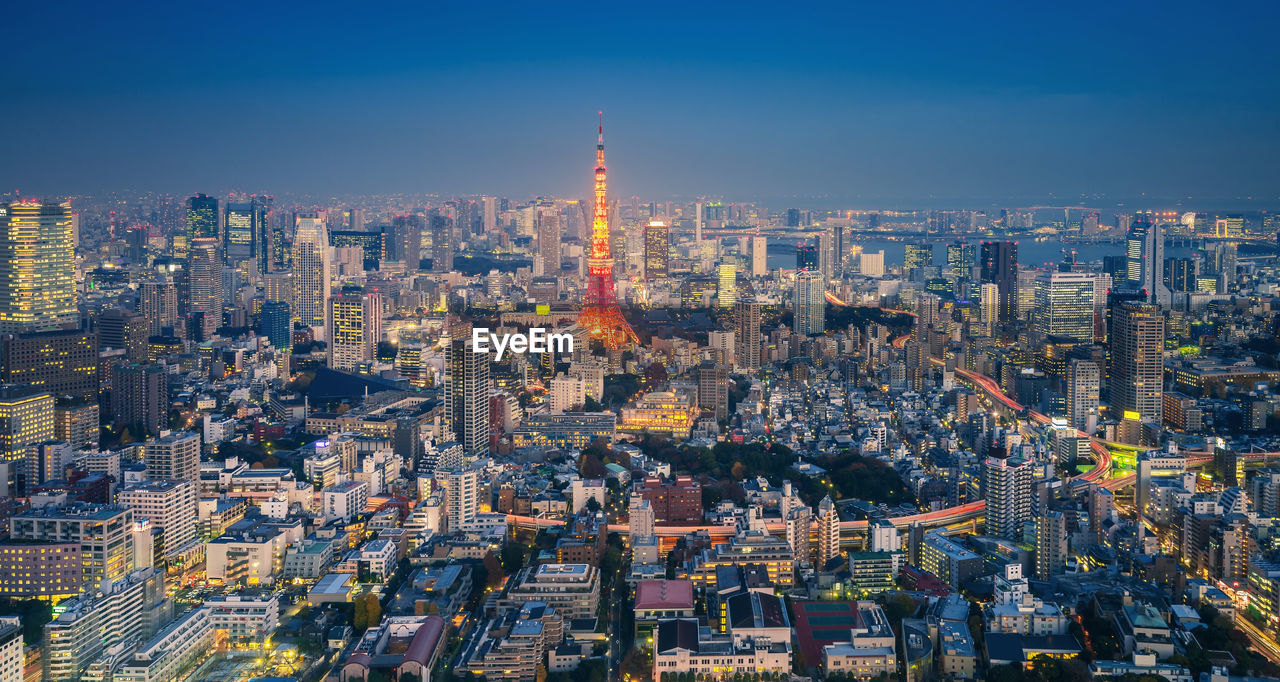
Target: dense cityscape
<point>871,344</point>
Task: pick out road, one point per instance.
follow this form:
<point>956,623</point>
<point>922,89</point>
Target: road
<point>1264,644</point>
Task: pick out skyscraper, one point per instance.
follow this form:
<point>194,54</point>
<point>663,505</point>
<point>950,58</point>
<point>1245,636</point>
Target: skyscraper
<point>1083,380</point>
<point>759,256</point>
<point>1006,484</point>
<point>311,269</point>
<point>657,246</point>
<point>1144,260</point>
<point>275,324</point>
<point>467,388</point>
<point>404,243</point>
<point>1064,305</point>
<point>202,218</point>
<point>37,267</point>
<point>441,243</point>
<point>247,235</point>
<point>204,268</point>
<point>917,256</point>
<point>961,258</point>
<point>809,302</point>
<point>990,310</point>
<point>354,327</point>
<point>826,253</point>
<point>159,305</point>
<point>747,335</point>
<point>727,287</point>
<point>1000,266</point>
<point>1136,372</point>
<point>807,257</point>
<point>549,232</point>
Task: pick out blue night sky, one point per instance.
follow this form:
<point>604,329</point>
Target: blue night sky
<point>852,104</point>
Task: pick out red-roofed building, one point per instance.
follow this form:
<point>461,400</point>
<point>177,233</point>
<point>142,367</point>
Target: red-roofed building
<point>923,581</point>
<point>661,599</point>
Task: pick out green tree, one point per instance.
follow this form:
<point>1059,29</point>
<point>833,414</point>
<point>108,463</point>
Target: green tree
<point>373,609</point>
<point>512,557</point>
<point>359,615</point>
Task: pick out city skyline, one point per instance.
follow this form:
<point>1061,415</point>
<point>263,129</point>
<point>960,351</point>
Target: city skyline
<point>868,107</point>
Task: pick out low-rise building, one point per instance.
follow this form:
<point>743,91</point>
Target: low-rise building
<point>177,648</point>
<point>244,619</point>
<point>681,645</point>
<point>572,589</point>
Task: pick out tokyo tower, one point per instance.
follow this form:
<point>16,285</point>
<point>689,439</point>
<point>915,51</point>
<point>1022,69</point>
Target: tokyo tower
<point>600,315</point>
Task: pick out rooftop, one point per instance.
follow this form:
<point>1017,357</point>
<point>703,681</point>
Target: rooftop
<point>664,594</point>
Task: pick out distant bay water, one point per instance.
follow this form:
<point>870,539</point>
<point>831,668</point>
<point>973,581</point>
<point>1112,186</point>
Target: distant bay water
<point>1030,252</point>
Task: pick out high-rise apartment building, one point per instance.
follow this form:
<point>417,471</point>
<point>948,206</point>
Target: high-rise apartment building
<point>746,346</point>
<point>1000,267</point>
<point>354,327</point>
<point>809,302</point>
<point>158,303</point>
<point>467,388</point>
<point>1064,305</point>
<point>311,269</point>
<point>759,256</point>
<point>1051,544</point>
<point>1083,382</point>
<point>1136,371</point>
<point>657,246</point>
<point>989,312</point>
<point>1006,484</point>
<point>140,397</point>
<point>173,456</point>
<point>828,522</point>
<point>204,270</point>
<point>37,267</point>
<point>462,495</point>
<point>713,389</point>
<point>170,506</point>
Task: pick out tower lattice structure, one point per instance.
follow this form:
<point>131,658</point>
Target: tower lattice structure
<point>600,315</point>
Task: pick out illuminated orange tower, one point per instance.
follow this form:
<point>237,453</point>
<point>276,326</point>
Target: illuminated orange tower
<point>600,315</point>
